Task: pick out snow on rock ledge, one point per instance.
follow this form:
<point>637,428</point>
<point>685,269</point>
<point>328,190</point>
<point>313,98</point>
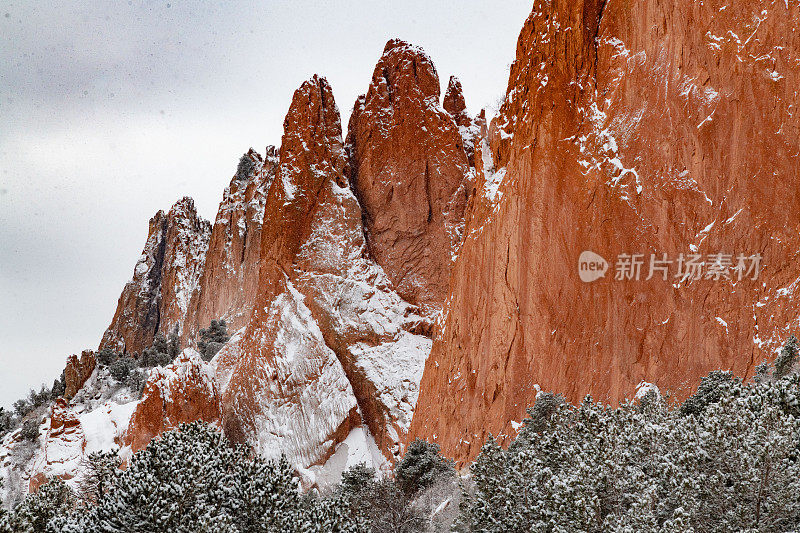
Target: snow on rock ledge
<point>184,391</point>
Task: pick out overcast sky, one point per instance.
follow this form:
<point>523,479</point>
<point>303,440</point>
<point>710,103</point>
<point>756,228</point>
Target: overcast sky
<point>112,110</point>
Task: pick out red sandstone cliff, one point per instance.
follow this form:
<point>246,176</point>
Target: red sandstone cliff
<point>331,346</point>
<point>230,274</point>
<point>157,298</point>
<point>647,128</point>
<point>640,127</point>
<point>408,169</point>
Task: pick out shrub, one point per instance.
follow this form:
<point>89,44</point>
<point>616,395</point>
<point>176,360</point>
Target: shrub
<point>136,381</point>
<point>381,503</point>
<point>245,168</point>
<point>38,510</point>
<point>106,356</point>
<point>163,351</point>
<point>30,430</point>
<point>787,357</point>
<point>121,369</point>
<point>710,391</point>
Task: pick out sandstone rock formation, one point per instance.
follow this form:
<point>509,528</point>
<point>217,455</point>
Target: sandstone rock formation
<point>184,391</point>
<point>408,169</point>
<point>77,371</point>
<point>157,298</point>
<point>229,281</point>
<point>331,346</point>
<point>639,128</point>
<point>627,128</point>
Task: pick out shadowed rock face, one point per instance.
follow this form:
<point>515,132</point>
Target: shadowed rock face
<point>157,298</point>
<point>408,169</point>
<point>627,128</point>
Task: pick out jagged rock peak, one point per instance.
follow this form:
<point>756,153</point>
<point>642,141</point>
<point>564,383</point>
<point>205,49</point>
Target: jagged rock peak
<point>312,126</point>
<point>405,68</point>
<point>455,104</point>
<point>408,167</point>
<point>157,297</point>
<point>230,275</point>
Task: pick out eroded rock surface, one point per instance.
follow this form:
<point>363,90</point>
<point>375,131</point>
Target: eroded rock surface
<point>627,128</point>
<point>408,169</point>
<point>183,391</point>
<point>164,279</point>
<point>229,281</point>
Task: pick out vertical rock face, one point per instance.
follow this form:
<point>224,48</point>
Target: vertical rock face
<point>408,168</point>
<point>77,371</point>
<point>640,127</point>
<point>229,280</point>
<point>283,388</point>
<point>455,104</point>
<point>166,275</point>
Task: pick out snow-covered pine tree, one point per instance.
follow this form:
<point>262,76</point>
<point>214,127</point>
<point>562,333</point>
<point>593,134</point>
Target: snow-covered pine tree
<point>212,339</point>
<point>421,466</point>
<point>192,479</point>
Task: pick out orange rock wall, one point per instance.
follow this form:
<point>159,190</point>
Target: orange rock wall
<point>638,127</point>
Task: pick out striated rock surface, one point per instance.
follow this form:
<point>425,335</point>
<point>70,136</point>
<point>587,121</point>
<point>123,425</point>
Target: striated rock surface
<point>282,388</point>
<point>408,168</point>
<point>644,128</point>
<point>77,371</point>
<point>167,274</point>
<point>229,281</point>
<point>183,391</point>
<point>332,355</point>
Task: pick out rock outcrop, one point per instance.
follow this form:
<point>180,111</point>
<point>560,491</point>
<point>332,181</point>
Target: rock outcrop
<point>229,281</point>
<point>77,371</point>
<point>183,391</point>
<point>331,346</point>
<point>408,168</point>
<point>628,128</point>
<point>164,279</point>
<point>638,128</point>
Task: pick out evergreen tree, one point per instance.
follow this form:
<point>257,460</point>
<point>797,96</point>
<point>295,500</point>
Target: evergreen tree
<point>173,346</point>
<point>99,473</point>
<point>121,369</point>
<point>59,386</point>
<point>38,510</point>
<point>6,422</point>
<point>192,479</point>
<point>245,168</point>
<point>421,466</point>
<point>787,357</point>
<point>106,356</point>
<point>158,354</point>
<point>710,391</point>
<point>732,465</point>
<point>30,430</point>
<point>212,339</point>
